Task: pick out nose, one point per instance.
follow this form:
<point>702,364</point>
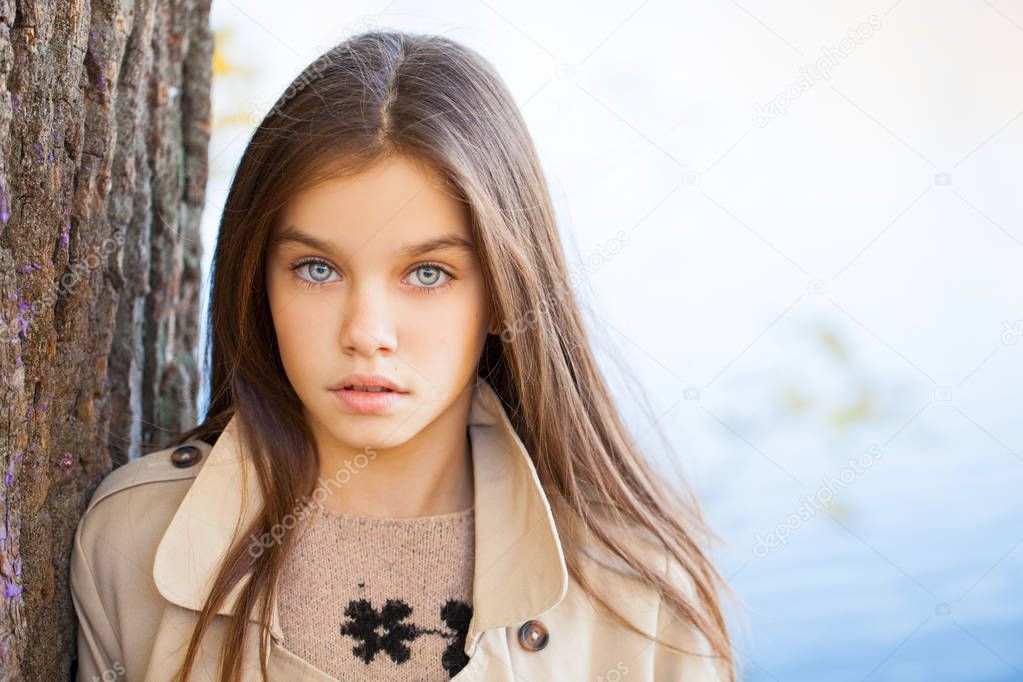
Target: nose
<point>367,326</point>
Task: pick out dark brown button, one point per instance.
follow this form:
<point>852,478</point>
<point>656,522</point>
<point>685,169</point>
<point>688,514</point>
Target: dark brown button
<point>186,456</point>
<point>533,635</point>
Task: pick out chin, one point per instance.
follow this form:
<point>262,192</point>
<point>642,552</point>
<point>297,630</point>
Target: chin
<point>358,431</point>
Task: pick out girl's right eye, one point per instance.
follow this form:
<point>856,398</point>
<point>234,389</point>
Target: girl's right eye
<point>313,272</point>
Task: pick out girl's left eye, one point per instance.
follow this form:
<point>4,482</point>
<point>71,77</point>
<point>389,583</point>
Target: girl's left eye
<point>434,274</point>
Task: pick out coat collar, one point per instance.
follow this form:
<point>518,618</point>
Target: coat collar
<point>520,569</point>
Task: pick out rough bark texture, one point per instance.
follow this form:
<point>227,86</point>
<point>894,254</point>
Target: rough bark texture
<point>104,123</point>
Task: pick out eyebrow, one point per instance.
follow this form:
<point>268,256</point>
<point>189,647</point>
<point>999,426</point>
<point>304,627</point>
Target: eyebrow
<point>292,234</point>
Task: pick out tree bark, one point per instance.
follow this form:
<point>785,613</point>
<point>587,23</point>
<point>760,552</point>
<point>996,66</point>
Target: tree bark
<point>104,125</point>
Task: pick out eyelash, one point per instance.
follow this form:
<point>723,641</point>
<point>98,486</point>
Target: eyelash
<point>319,261</point>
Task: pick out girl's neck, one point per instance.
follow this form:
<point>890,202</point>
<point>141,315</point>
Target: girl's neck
<point>429,475</point>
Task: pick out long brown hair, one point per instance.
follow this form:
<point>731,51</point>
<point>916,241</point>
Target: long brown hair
<point>434,100</point>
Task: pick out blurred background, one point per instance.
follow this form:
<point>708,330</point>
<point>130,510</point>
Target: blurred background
<point>797,227</point>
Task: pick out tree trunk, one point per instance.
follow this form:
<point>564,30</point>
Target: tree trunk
<point>104,124</point>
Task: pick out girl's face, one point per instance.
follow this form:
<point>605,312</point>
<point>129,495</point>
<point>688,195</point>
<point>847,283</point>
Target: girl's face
<point>376,274</point>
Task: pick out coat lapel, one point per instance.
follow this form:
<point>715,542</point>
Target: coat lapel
<point>520,569</point>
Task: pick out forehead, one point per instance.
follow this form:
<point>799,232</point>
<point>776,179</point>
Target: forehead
<point>396,201</point>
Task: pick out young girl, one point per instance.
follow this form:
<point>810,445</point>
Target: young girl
<point>411,466</point>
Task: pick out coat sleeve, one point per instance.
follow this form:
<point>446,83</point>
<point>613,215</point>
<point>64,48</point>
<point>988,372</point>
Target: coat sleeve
<point>99,649</point>
<point>670,665</point>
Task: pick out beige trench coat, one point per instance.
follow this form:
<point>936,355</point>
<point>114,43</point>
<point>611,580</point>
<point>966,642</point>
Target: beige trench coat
<point>155,529</point>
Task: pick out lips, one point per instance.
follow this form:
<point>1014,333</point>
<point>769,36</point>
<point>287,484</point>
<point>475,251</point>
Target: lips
<point>368,398</point>
<point>367,383</point>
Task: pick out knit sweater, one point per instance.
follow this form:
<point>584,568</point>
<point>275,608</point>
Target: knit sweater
<point>378,598</point>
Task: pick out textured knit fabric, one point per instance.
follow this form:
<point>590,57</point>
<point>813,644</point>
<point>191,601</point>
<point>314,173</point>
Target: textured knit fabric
<point>375,598</point>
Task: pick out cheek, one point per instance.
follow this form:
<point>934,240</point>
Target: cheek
<point>302,322</point>
<point>447,331</point>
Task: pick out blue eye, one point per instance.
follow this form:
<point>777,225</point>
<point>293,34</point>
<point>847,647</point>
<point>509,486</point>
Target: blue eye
<point>432,276</point>
<point>318,271</point>
<point>313,272</point>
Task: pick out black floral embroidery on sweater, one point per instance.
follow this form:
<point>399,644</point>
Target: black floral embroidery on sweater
<point>387,630</point>
<point>364,624</point>
<point>456,615</point>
